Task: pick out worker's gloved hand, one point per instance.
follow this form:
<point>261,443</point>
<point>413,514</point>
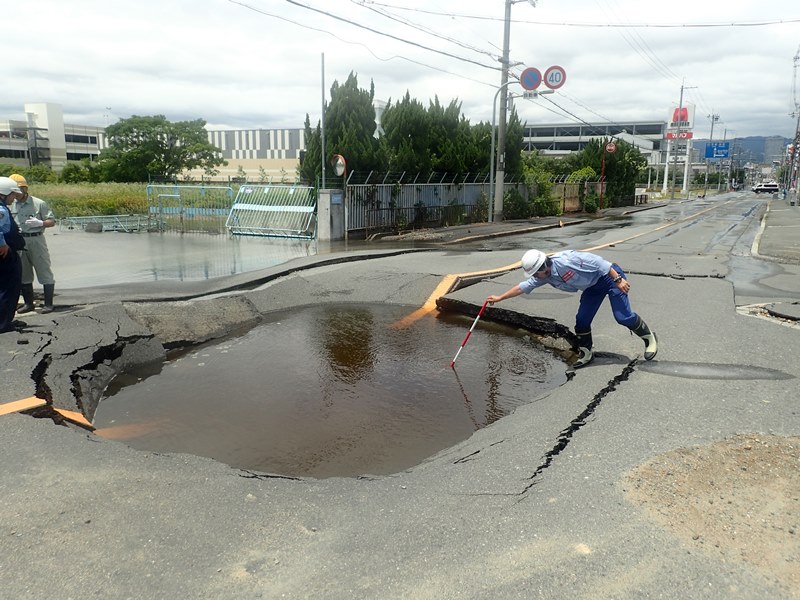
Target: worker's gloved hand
<point>34,222</point>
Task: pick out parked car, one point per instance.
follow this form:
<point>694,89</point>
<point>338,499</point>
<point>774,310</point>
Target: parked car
<point>767,187</point>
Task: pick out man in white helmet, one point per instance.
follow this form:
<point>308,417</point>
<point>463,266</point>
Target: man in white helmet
<point>11,242</point>
<point>33,216</point>
<point>596,278</point>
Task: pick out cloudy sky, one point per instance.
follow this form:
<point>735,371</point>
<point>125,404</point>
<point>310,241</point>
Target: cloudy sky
<point>258,63</point>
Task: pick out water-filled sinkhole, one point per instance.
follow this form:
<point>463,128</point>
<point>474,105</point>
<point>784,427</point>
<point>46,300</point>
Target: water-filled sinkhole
<point>330,390</point>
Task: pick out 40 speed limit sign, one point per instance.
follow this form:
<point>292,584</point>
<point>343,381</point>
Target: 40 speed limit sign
<point>555,77</point>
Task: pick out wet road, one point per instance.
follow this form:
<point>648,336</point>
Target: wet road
<point>531,506</point>
<point>723,227</point>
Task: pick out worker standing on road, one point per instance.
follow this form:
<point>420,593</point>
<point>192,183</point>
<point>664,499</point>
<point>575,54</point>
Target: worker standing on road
<point>596,278</point>
<point>33,216</point>
<point>10,243</point>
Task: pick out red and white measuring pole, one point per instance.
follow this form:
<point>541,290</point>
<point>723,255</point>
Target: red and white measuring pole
<point>469,333</point>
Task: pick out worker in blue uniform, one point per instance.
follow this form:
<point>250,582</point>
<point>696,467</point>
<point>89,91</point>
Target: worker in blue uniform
<point>11,242</point>
<point>596,278</point>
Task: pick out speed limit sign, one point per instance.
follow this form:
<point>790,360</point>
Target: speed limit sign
<point>555,77</point>
<point>611,147</point>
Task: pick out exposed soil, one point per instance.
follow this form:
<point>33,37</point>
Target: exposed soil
<point>738,499</point>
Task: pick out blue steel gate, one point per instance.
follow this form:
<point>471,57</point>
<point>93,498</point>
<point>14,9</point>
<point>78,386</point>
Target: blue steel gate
<point>274,211</point>
<point>188,208</point>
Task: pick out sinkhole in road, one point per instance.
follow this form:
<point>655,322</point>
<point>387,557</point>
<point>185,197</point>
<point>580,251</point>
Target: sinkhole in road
<point>330,390</point>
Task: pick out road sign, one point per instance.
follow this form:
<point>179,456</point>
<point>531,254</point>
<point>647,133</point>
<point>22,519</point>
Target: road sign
<point>611,147</point>
<point>530,79</point>
<point>555,77</point>
<point>718,149</point>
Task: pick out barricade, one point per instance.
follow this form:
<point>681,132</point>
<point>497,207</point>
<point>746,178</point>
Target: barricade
<point>273,211</point>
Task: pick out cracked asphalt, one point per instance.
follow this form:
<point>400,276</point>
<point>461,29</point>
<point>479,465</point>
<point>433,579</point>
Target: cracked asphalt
<point>529,507</point>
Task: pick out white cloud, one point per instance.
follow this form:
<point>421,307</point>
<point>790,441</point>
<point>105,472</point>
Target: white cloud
<point>233,66</point>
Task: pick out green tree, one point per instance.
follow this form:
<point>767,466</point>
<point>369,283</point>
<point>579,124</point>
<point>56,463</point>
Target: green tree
<point>349,128</point>
<point>621,168</point>
<point>406,136</point>
<point>514,138</point>
<point>152,145</point>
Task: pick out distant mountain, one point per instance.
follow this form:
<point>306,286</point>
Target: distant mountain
<point>757,149</point>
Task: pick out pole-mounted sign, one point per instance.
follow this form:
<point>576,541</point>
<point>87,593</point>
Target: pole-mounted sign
<point>555,77</point>
<point>530,79</point>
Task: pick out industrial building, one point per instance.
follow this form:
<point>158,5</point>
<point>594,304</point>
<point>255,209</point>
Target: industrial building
<point>44,138</point>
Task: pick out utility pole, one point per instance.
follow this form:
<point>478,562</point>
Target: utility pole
<point>714,118</point>
<point>677,141</point>
<point>501,129</point>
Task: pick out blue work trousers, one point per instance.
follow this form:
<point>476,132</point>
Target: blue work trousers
<point>10,284</point>
<point>592,298</point>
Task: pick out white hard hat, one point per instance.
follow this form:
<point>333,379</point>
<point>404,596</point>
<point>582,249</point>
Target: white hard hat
<point>532,261</point>
<point>8,185</point>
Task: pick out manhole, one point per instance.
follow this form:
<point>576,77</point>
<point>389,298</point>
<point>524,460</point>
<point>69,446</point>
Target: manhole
<point>333,390</point>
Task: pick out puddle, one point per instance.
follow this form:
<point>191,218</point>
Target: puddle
<point>334,390</point>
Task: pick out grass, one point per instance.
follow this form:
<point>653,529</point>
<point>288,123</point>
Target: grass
<point>88,199</point>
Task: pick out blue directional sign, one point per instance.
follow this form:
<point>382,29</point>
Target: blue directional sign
<point>718,149</point>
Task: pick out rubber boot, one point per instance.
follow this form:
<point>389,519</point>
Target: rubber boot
<point>49,290</point>
<point>585,353</point>
<point>650,341</point>
<point>27,297</point>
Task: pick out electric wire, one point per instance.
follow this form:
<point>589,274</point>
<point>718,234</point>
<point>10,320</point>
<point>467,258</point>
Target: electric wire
<point>637,43</point>
<point>367,48</point>
<point>762,23</point>
<point>388,35</point>
<point>426,30</point>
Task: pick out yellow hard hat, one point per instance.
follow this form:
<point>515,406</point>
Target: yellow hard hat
<point>19,179</point>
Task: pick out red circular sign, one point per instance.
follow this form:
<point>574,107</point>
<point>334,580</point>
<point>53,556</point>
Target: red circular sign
<point>530,79</point>
<point>555,77</point>
<point>611,147</point>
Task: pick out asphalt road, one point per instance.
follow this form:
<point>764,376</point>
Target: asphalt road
<point>531,506</point>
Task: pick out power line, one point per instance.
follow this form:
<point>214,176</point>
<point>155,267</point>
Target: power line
<point>388,35</point>
<point>367,48</point>
<point>597,25</point>
<point>425,29</point>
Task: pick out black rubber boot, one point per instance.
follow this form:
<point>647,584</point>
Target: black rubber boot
<point>27,297</point>
<point>585,353</point>
<point>650,341</point>
<point>49,290</point>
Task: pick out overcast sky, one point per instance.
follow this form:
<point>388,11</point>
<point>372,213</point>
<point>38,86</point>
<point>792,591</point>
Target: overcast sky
<point>258,63</point>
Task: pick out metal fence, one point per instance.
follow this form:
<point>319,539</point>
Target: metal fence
<point>188,208</point>
<point>374,207</point>
<point>274,210</point>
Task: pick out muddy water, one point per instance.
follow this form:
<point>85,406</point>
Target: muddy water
<point>335,390</point>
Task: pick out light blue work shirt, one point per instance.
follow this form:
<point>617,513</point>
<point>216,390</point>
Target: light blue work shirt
<point>571,271</point>
<point>5,222</point>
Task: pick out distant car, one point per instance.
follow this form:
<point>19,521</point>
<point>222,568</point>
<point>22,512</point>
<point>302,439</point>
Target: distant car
<point>768,187</point>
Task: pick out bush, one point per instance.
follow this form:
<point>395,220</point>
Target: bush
<point>515,206</point>
<point>544,206</point>
<point>590,203</point>
<point>34,174</point>
<point>481,212</point>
